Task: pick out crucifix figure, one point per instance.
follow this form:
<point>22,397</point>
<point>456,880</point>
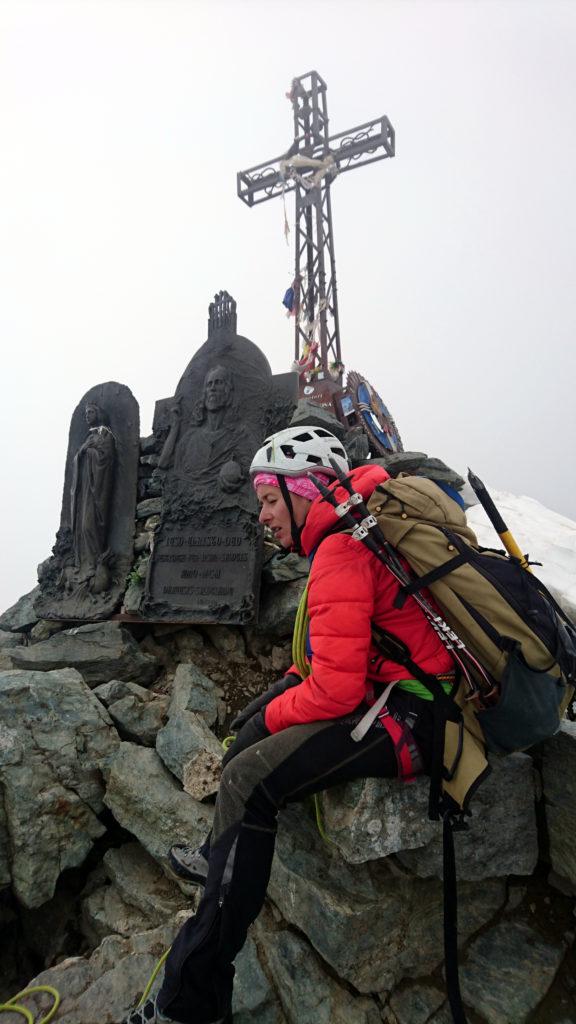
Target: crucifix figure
<point>308,169</point>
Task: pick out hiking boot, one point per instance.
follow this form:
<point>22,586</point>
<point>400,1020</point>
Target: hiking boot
<point>150,1014</point>
<point>189,863</point>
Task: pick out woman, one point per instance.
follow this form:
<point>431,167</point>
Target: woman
<point>296,740</point>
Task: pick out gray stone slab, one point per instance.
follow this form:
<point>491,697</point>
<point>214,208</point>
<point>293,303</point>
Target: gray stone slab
<point>278,608</point>
<point>372,927</point>
<point>139,720</point>
<point>56,741</point>
<point>146,799</point>
<point>193,691</point>
<point>502,836</point>
<point>508,971</point>
<point>180,742</point>
<point>20,615</point>
<point>99,651</point>
<point>559,782</point>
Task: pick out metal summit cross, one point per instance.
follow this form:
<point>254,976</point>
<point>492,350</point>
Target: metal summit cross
<point>308,168</point>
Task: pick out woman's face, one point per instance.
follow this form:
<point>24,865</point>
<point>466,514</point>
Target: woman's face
<point>275,515</point>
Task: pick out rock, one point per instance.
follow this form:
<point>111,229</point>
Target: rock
<point>116,689</point>
<point>254,998</point>
<point>284,566</point>
<point>371,818</point>
<point>148,507</point>
<point>181,741</point>
<point>308,994</point>
<point>415,1004</point>
<point>151,524</point>
<point>501,838</point>
<point>145,799</point>
<point>278,608</point>
<point>103,988</point>
<point>193,691</point>
<point>44,629</point>
<point>20,615</point>
<point>201,776</point>
<point>149,460</point>
<point>227,641</point>
<point>104,912</point>
<point>309,415</point>
<point>142,884</point>
<point>139,720</point>
<point>559,780</point>
<point>99,651</point>
<point>187,641</point>
<point>9,640</point>
<point>508,970</point>
<point>371,927</point>
<point>149,445</point>
<point>132,597</point>
<point>56,740</point>
<point>142,542</point>
<point>357,446</point>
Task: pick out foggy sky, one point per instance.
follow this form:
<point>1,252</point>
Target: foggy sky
<point>123,125</point>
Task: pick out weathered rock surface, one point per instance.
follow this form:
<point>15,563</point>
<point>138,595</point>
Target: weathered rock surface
<point>254,998</point>
<point>56,740</point>
<point>308,994</point>
<point>508,971</point>
<point>501,838</point>
<point>139,719</point>
<point>228,642</point>
<point>116,689</point>
<point>149,507</point>
<point>278,607</point>
<point>372,927</point>
<point>415,1004</point>
<point>559,779</point>
<point>201,777</point>
<point>193,691</point>
<point>9,640</point>
<point>20,615</point>
<point>182,740</point>
<point>145,798</point>
<point>142,884</point>
<point>103,988</point>
<point>99,651</point>
<point>136,896</point>
<point>374,818</point>
<point>44,629</point>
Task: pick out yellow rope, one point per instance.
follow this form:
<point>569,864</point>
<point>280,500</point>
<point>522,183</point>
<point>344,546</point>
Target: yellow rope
<point>152,978</point>
<point>226,742</point>
<point>12,1006</point>
<point>299,655</point>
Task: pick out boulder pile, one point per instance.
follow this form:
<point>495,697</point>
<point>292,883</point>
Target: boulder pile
<point>110,746</point>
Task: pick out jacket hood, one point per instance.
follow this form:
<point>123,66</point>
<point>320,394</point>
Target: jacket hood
<point>322,519</point>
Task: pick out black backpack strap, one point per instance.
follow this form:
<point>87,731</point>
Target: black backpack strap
<point>419,582</point>
<point>449,824</point>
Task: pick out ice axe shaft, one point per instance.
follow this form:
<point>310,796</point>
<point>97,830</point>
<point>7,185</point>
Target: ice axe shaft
<point>496,519</point>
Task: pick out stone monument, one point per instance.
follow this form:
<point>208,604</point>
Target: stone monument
<point>86,575</point>
<point>206,560</point>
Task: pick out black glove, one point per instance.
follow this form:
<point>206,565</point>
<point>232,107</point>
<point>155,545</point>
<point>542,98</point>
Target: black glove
<point>251,733</point>
<point>290,679</point>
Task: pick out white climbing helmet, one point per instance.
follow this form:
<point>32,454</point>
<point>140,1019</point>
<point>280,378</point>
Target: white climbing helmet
<point>300,450</point>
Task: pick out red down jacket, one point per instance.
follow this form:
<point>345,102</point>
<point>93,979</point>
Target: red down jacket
<point>349,589</point>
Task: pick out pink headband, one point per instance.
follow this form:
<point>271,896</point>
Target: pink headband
<point>301,485</point>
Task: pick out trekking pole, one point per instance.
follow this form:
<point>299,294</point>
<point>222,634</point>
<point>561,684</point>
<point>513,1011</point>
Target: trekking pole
<point>386,553</point>
<point>496,519</point>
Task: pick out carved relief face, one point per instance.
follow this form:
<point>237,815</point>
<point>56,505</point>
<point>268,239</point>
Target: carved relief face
<point>217,388</point>
<point>91,413</point>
